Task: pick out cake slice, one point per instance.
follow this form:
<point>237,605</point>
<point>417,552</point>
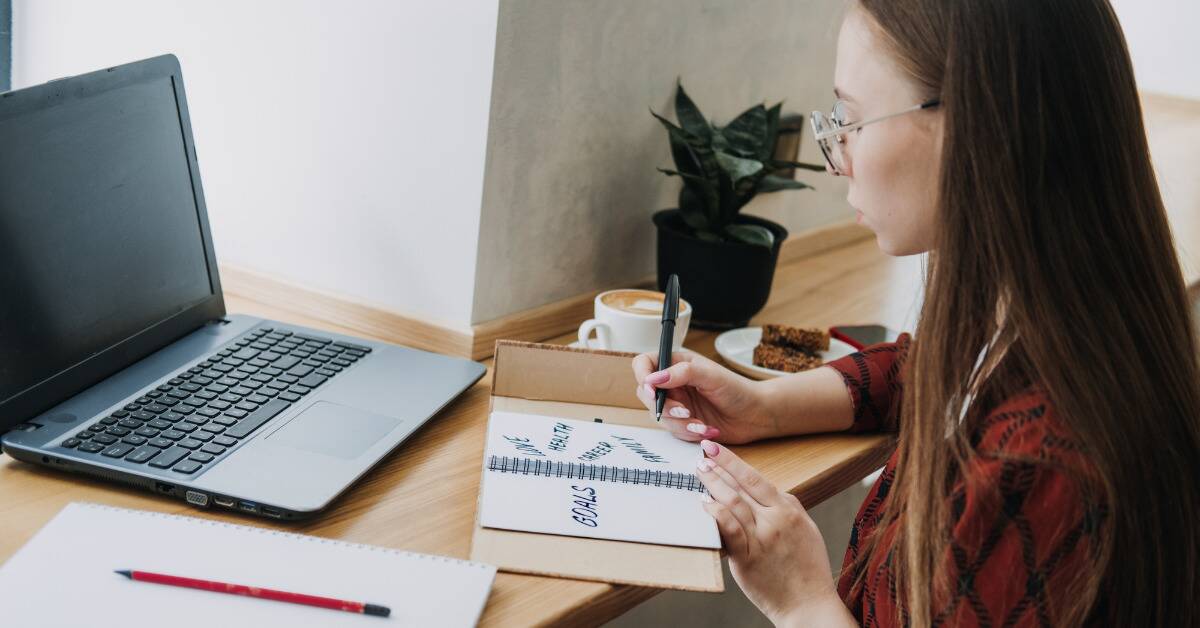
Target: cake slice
<point>807,339</point>
<point>784,359</point>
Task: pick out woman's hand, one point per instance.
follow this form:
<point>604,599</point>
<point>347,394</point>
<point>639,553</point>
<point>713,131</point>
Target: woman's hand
<point>704,399</point>
<point>775,551</point>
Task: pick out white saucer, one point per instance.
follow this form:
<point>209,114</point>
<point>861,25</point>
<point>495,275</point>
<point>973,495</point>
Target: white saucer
<point>736,347</point>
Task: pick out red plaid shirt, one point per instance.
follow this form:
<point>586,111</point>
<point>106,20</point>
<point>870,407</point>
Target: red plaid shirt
<point>1011,556</point>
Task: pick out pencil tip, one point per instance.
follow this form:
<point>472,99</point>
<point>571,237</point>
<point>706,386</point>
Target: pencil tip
<point>124,572</point>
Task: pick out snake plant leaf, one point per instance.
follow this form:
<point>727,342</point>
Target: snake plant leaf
<point>747,133</point>
<point>752,234</point>
<point>738,168</point>
<point>689,115</point>
<point>767,150</point>
<point>703,196</point>
<point>781,164</point>
<point>773,183</point>
<point>693,208</point>
<point>708,236</point>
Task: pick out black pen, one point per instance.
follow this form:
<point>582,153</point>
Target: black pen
<point>670,313</point>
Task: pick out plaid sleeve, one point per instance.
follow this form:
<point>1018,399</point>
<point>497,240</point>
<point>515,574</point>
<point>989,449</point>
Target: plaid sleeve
<point>873,378</point>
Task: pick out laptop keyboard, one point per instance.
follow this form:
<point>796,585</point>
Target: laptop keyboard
<point>190,421</point>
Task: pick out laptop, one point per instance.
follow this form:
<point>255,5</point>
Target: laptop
<point>117,358</point>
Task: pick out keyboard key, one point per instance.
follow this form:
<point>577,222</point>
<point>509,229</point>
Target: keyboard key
<point>340,362</point>
<point>71,443</point>
<point>214,428</point>
<point>202,436</point>
<point>206,395</point>
<point>317,339</point>
<point>247,406</point>
<point>189,387</point>
<point>269,356</point>
<point>159,424</point>
<point>300,370</point>
<point>96,428</point>
<point>161,443</point>
<point>353,347</point>
<point>142,454</point>
<point>201,457</point>
<point>168,401</point>
<point>84,435</point>
<point>184,392</point>
<point>219,405</point>
<point>148,432</point>
<point>286,363</point>
<point>154,394</point>
<point>156,408</point>
<point>289,396</point>
<point>91,448</point>
<point>120,414</point>
<point>208,412</point>
<point>202,381</point>
<point>130,423</point>
<point>278,385</point>
<point>117,431</point>
<point>142,415</point>
<point>291,379</point>
<point>312,381</point>
<point>235,413</point>
<point>326,372</point>
<point>259,363</point>
<point>190,443</point>
<point>250,385</point>
<point>190,466</point>
<point>300,390</point>
<point>225,441</point>
<point>172,435</point>
<point>225,420</point>
<point>175,382</point>
<point>246,354</point>
<point>134,439</point>
<point>195,420</point>
<point>272,371</point>
<point>169,457</point>
<point>141,401</point>
<point>234,398</point>
<point>132,407</point>
<point>257,418</point>
<point>185,427</point>
<point>171,416</point>
<point>117,451</point>
<point>108,421</point>
<point>212,449</point>
<point>104,439</point>
<point>259,399</point>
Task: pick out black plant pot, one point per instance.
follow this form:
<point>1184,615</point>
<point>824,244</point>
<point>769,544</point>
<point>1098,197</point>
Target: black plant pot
<point>727,283</point>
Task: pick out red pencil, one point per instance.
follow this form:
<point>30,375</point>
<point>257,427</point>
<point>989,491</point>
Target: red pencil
<point>268,594</point>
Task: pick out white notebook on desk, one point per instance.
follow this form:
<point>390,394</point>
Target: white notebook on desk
<point>597,480</point>
<point>64,576</point>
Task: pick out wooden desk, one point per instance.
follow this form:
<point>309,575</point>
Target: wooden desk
<point>422,497</point>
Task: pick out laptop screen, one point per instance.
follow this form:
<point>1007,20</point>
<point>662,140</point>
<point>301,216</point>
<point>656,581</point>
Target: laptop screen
<point>100,229</point>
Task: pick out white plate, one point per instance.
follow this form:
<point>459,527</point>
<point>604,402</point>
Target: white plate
<point>736,347</point>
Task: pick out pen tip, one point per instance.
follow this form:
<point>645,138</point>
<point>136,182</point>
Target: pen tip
<point>658,416</point>
<point>124,572</point>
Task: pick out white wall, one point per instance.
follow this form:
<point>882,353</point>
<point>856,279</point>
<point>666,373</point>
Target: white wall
<point>1163,41</point>
<point>341,144</point>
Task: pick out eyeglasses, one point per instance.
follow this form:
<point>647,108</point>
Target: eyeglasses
<point>831,130</point>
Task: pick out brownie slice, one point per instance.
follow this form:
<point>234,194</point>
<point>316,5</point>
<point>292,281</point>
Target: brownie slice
<point>784,359</point>
<point>806,339</point>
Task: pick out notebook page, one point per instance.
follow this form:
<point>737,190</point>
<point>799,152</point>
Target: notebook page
<point>587,507</point>
<point>64,576</point>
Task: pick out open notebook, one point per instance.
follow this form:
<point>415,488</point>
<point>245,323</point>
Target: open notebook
<point>589,479</point>
<point>64,576</point>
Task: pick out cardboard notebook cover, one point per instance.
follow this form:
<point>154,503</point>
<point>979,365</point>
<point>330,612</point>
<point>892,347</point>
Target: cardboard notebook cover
<point>583,384</point>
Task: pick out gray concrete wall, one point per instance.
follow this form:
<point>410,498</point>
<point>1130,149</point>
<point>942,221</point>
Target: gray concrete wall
<point>570,181</point>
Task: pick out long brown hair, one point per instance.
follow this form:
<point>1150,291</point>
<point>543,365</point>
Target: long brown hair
<point>1053,248</point>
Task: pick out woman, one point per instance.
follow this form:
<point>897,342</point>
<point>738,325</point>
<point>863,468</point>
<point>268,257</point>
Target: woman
<point>1047,412</point>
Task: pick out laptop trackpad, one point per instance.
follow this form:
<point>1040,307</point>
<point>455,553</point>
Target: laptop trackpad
<point>334,430</point>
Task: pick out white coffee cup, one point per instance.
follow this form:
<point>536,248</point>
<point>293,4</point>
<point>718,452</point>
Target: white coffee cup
<point>630,320</point>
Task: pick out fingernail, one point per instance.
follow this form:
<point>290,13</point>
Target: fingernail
<point>706,498</point>
<point>704,464</point>
<point>657,377</point>
<point>711,433</point>
<point>680,412</point>
<point>710,448</point>
<point>697,428</point>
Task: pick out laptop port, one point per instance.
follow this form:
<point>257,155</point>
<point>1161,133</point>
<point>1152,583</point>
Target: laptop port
<point>164,488</point>
<point>224,502</point>
<point>196,497</point>
<point>271,512</point>
<point>248,506</point>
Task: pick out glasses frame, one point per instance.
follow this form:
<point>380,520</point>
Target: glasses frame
<point>839,130</point>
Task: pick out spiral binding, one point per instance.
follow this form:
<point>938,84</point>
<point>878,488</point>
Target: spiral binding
<point>290,535</point>
<point>595,472</point>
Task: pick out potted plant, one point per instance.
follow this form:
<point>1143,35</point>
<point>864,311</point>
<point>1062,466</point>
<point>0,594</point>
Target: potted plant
<point>725,260</point>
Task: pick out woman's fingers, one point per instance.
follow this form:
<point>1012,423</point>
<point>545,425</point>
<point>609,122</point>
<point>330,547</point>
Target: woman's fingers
<point>746,476</point>
<point>725,494</point>
<point>736,539</point>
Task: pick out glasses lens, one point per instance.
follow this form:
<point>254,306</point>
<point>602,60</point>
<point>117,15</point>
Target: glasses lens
<point>829,145</point>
